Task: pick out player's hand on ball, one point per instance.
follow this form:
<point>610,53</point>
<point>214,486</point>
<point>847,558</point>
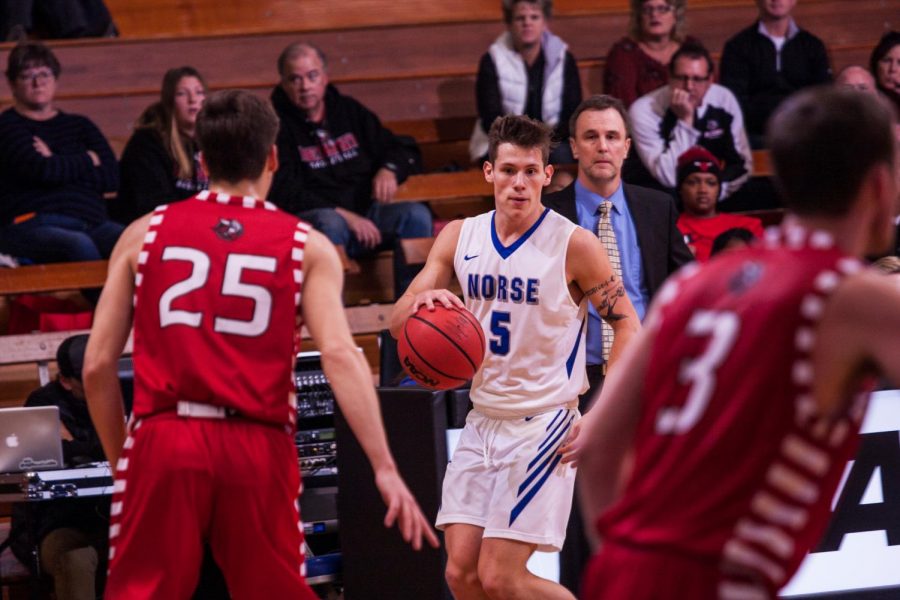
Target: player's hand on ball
<point>571,448</point>
<point>428,299</point>
<point>403,510</point>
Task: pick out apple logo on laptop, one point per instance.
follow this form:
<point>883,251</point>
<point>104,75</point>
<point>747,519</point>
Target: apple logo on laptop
<point>12,440</point>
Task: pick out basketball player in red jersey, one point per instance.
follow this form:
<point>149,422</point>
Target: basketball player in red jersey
<point>740,403</point>
<point>214,284</point>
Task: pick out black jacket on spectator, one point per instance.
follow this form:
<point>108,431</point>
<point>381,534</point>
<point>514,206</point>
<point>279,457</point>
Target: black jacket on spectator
<point>66,183</point>
<point>748,70</point>
<point>663,250</point>
<point>313,174</point>
<point>150,177</point>
<point>86,514</point>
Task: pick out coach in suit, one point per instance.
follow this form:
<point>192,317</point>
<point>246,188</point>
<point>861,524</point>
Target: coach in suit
<point>650,247</point>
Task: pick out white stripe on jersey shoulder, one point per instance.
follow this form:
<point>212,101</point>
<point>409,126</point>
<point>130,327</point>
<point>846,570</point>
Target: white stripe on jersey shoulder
<point>821,240</point>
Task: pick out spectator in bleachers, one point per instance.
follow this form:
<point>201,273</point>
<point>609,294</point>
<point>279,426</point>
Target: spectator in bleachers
<point>639,63</point>
<point>856,78</point>
<point>768,61</point>
<point>732,239</point>
<point>527,71</point>
<point>54,19</point>
<point>70,534</point>
<point>699,183</point>
<point>339,166</point>
<point>862,80</point>
<point>161,162</point>
<point>691,111</point>
<point>54,170</point>
<point>885,66</point>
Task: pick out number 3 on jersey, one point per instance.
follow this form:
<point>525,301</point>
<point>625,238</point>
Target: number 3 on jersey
<point>232,285</point>
<point>700,372</point>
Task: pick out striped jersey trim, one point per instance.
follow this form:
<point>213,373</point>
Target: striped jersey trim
<point>763,541</point>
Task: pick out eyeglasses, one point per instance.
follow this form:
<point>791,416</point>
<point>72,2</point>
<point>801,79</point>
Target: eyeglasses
<point>684,79</point>
<point>660,9</point>
<point>36,76</point>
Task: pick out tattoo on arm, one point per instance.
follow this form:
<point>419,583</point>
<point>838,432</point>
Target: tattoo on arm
<point>610,291</point>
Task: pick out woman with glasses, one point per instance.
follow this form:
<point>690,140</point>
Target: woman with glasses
<point>160,163</point>
<point>639,63</point>
<point>55,168</point>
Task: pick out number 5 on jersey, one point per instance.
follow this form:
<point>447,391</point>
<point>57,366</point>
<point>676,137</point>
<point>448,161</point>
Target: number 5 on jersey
<point>500,331</point>
<point>232,285</point>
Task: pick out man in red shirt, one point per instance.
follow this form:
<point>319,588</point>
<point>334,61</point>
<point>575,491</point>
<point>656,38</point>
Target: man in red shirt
<point>699,185</point>
<point>214,285</point>
<point>712,457</point>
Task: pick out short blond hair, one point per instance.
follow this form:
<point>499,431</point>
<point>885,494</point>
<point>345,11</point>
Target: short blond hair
<point>634,22</point>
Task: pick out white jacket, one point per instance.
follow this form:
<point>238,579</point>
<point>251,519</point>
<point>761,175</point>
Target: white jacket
<point>512,78</point>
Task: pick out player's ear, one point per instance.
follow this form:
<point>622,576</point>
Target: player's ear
<point>548,172</point>
<point>488,169</point>
<point>272,159</point>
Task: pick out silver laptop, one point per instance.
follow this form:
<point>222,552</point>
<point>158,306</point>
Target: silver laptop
<point>30,439</point>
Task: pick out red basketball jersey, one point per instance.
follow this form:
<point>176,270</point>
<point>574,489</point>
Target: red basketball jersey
<point>733,464</point>
<point>217,292</point>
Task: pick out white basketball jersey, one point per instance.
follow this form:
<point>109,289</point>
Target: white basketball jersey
<point>535,353</point>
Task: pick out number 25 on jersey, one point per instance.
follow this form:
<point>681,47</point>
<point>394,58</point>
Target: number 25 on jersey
<point>235,265</point>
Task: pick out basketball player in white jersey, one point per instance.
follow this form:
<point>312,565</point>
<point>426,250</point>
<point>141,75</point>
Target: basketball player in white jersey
<point>527,274</point>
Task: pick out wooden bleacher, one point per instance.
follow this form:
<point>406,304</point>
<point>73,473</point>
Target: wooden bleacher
<point>440,188</point>
<point>414,64</point>
<point>20,353</point>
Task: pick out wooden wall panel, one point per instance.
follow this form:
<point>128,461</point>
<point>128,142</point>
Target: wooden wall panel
<point>147,18</point>
<point>168,18</point>
<point>119,67</point>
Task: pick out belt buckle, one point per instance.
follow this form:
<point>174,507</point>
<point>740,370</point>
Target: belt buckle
<point>198,410</point>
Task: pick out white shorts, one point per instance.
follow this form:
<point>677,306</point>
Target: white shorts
<point>505,476</point>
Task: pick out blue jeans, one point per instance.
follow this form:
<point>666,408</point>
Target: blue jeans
<point>395,222</point>
<point>48,238</point>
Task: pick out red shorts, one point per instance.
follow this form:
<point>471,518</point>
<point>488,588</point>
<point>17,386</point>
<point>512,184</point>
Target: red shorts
<point>228,482</point>
<point>621,572</point>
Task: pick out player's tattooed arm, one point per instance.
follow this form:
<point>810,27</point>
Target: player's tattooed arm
<point>609,293</point>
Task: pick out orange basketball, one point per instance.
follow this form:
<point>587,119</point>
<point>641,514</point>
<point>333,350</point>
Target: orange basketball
<point>441,349</point>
